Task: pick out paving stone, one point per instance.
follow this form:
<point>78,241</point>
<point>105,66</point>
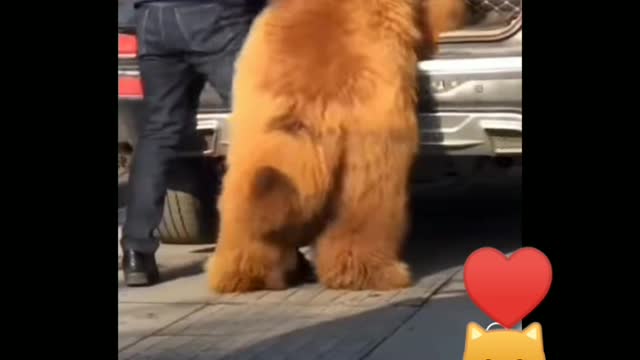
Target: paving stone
<point>327,296</point>
<point>355,298</point>
<point>136,321</point>
<point>453,288</point>
<point>243,298</point>
<point>437,331</point>
<point>424,288</point>
<point>459,275</point>
<point>376,298</point>
<point>277,296</point>
<point>185,290</point>
<point>305,294</point>
<point>193,290</point>
<point>269,331</point>
<point>311,322</point>
<point>175,348</point>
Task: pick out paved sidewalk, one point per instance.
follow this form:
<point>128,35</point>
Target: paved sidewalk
<point>180,319</point>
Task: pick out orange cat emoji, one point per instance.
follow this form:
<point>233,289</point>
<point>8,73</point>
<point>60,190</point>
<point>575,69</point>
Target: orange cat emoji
<point>504,344</point>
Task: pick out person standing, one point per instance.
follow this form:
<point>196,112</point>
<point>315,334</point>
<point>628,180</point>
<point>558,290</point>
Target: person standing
<point>181,45</point>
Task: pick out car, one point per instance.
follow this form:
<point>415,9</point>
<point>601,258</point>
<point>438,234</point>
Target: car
<point>470,115</point>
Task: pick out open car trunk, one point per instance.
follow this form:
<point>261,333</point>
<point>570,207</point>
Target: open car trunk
<point>487,20</point>
<point>471,92</point>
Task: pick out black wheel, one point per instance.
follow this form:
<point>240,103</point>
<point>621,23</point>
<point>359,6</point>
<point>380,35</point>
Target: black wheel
<point>181,220</point>
<point>189,215</point>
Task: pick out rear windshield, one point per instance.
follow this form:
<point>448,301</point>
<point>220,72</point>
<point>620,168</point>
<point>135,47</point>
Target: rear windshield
<point>492,14</point>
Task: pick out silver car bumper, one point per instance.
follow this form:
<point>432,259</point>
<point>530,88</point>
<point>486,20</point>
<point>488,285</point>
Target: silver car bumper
<point>468,107</point>
<point>476,111</point>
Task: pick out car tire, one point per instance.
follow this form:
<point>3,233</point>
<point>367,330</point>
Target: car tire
<point>183,220</point>
<point>189,216</point>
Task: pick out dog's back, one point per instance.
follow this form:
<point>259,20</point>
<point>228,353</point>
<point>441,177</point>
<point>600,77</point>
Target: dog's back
<point>323,54</point>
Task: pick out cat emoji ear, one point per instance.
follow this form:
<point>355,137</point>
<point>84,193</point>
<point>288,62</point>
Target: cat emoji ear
<point>474,331</point>
<point>534,332</point>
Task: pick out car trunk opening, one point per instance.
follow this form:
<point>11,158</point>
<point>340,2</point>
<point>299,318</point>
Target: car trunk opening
<point>487,20</point>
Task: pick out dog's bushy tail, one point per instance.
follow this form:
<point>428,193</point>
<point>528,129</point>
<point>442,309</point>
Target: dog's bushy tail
<point>294,174</point>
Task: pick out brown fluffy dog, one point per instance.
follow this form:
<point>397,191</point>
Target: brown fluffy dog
<point>323,137</point>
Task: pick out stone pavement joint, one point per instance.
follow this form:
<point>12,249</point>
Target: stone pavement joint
<point>240,331</point>
<point>132,340</point>
<point>334,327</point>
<point>180,318</point>
<point>193,290</point>
<point>434,290</point>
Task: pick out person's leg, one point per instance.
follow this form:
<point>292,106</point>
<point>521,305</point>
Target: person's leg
<point>216,34</point>
<point>171,89</point>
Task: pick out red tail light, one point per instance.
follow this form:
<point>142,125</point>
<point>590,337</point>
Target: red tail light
<point>130,88</point>
<point>127,46</point>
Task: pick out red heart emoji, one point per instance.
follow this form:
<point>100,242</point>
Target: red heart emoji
<point>507,289</point>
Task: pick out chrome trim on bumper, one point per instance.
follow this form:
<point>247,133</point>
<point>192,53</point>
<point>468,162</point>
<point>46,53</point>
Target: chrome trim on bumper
<point>471,133</point>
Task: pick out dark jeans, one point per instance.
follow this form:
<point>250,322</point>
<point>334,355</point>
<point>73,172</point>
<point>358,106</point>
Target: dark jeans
<point>181,46</point>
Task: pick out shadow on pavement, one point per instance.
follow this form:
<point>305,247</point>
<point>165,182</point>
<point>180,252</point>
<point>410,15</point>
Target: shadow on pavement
<point>170,273</point>
<point>446,228</point>
<point>435,331</point>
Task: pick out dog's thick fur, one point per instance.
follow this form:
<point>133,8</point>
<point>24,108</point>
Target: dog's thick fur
<point>323,136</point>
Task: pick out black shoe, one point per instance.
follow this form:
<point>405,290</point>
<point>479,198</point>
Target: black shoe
<point>139,269</point>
